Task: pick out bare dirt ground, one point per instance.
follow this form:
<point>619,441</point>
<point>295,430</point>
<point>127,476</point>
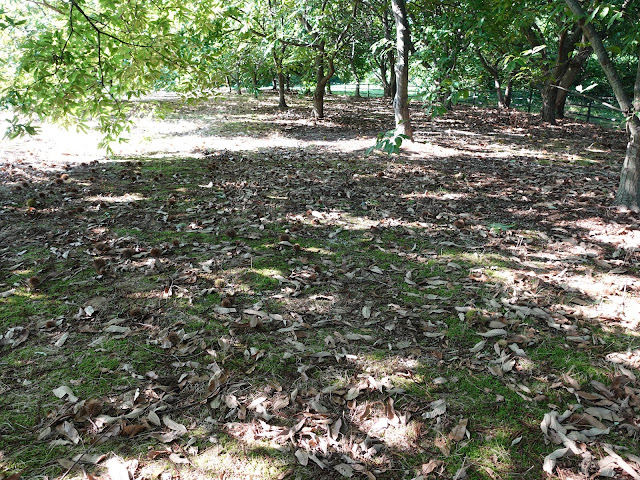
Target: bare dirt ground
<point>469,308</point>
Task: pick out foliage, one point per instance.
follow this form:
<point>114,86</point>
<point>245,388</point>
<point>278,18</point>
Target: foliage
<point>388,142</point>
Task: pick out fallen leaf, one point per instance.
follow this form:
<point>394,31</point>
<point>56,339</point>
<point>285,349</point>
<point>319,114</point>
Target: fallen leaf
<point>178,428</point>
<point>344,470</point>
<point>178,458</point>
<point>427,468</point>
<point>550,460</point>
<point>459,430</point>
<point>302,456</point>
<point>443,445</point>
<point>63,391</point>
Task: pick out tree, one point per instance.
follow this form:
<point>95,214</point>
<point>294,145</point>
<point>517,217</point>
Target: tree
<point>628,194</point>
<point>403,43</point>
<point>327,32</point>
<point>81,60</point>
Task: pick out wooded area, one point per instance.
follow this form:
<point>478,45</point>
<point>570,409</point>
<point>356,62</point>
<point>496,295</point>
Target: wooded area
<point>211,266</point>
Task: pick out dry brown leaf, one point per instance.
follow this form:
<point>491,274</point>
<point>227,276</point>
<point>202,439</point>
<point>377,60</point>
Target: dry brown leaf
<point>390,412</point>
<point>427,468</point>
<point>443,445</point>
<point>459,430</point>
<point>132,430</point>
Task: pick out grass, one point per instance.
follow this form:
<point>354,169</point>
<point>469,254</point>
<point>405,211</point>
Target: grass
<point>347,311</point>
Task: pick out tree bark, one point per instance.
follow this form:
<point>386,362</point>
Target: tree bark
<point>282,102</point>
<point>508,92</point>
<point>504,100</point>
<point>277,59</point>
<point>321,81</point>
<point>354,70</point>
<point>549,93</point>
<point>390,86</point>
<point>403,42</point>
<point>569,78</point>
<point>628,194</point>
<point>254,82</point>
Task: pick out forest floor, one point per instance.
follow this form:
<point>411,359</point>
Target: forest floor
<point>240,292</point>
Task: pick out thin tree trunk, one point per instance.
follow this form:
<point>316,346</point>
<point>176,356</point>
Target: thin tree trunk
<point>353,69</point>
<point>386,87</point>
<point>229,84</point>
<point>321,81</point>
<point>390,86</point>
<point>508,92</point>
<point>403,42</point>
<point>498,87</point>
<point>282,102</point>
<point>254,82</point>
<point>628,194</point>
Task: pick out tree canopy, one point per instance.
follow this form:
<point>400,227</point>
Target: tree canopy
<point>74,60</point>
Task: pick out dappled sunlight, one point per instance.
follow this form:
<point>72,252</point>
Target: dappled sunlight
<point>274,304</point>
<point>127,198</point>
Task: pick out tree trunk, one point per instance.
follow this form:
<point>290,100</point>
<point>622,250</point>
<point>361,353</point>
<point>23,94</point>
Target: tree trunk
<point>321,81</point>
<point>282,103</point>
<point>353,69</point>
<point>569,78</point>
<point>549,92</point>
<point>275,84</point>
<point>229,84</point>
<point>390,86</point>
<point>628,194</point>
<point>508,92</point>
<point>393,79</point>
<point>254,82</point>
<point>329,92</point>
<point>498,87</point>
<point>386,88</point>
<point>238,86</point>
<point>403,42</point>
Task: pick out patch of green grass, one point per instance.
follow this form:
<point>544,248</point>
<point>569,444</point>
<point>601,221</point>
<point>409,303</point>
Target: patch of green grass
<point>460,333</point>
<point>565,358</point>
<point>24,307</point>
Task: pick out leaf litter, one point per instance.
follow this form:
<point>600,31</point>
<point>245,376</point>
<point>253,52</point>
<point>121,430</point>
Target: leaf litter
<point>323,304</point>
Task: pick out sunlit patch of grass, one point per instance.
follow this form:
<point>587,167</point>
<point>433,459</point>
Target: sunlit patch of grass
<point>243,456</point>
<point>567,358</point>
<point>25,307</point>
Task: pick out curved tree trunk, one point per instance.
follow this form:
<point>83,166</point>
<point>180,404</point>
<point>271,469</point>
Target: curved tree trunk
<point>322,80</point>
<point>569,78</point>
<point>628,194</point>
<point>403,43</point>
